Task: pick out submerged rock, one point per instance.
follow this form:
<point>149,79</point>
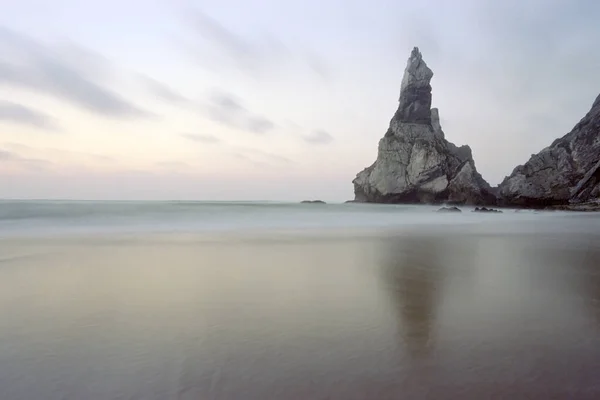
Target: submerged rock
<point>415,163</point>
<point>486,210</point>
<point>566,172</point>
<point>588,206</point>
<point>449,209</point>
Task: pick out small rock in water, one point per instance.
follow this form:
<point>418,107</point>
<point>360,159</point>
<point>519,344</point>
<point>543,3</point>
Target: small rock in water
<point>449,209</point>
<point>313,202</point>
<point>486,210</point>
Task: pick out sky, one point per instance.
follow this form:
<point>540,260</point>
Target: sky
<point>272,99</point>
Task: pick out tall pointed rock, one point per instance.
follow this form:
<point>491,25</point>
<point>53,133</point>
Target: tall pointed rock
<point>415,92</point>
<point>415,163</point>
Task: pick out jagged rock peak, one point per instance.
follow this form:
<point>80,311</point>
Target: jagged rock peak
<point>415,91</point>
<point>415,163</point>
<point>597,102</point>
<point>416,72</point>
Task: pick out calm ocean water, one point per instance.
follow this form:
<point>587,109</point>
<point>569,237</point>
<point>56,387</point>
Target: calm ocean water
<point>87,217</point>
<point>142,300</point>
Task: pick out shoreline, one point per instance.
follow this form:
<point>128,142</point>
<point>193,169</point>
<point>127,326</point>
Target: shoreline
<point>458,228</point>
<point>580,207</point>
<point>216,222</point>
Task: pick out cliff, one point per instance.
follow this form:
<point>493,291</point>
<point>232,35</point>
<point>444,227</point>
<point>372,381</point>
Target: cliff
<point>566,172</point>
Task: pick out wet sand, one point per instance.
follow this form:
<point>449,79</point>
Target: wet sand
<point>423,314</point>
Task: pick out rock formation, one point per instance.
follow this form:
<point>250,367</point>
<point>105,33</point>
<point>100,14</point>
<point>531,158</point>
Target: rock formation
<point>415,163</point>
<point>486,210</point>
<point>449,209</point>
<point>566,172</point>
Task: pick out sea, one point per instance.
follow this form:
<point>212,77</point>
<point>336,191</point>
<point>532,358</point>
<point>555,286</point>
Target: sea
<point>65,217</point>
<point>271,300</point>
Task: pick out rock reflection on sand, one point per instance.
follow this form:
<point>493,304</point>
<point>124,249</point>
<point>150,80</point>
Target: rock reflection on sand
<point>413,273</point>
<point>377,316</point>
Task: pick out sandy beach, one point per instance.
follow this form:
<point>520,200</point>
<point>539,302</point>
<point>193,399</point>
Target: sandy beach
<point>465,312</point>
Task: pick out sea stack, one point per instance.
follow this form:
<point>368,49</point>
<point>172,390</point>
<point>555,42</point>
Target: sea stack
<point>415,163</point>
<point>565,173</point>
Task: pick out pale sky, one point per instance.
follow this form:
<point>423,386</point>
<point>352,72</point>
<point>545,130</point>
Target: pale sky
<point>273,99</point>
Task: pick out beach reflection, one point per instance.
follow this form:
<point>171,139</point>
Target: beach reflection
<point>419,315</point>
<point>413,274</point>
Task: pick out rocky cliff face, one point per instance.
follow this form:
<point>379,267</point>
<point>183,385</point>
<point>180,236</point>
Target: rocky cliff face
<point>566,172</point>
<point>415,163</point>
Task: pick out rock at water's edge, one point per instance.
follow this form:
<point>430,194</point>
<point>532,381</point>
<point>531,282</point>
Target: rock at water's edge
<point>486,210</point>
<point>415,163</point>
<point>449,209</point>
<point>589,206</point>
<point>312,202</point>
<point>566,172</point>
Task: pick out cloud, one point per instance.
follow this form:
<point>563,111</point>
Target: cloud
<point>225,102</point>
<point>173,165</point>
<point>31,152</point>
<point>32,65</point>
<point>318,65</point>
<point>259,125</point>
<point>64,154</point>
<point>17,147</point>
<point>213,31</point>
<point>84,59</point>
<point>252,161</point>
<point>276,158</point>
<point>17,113</point>
<point>225,108</point>
<point>7,155</point>
<point>318,137</point>
<point>23,162</point>
<point>162,91</point>
<point>260,156</point>
<point>256,55</point>
<point>235,48</point>
<point>196,137</point>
